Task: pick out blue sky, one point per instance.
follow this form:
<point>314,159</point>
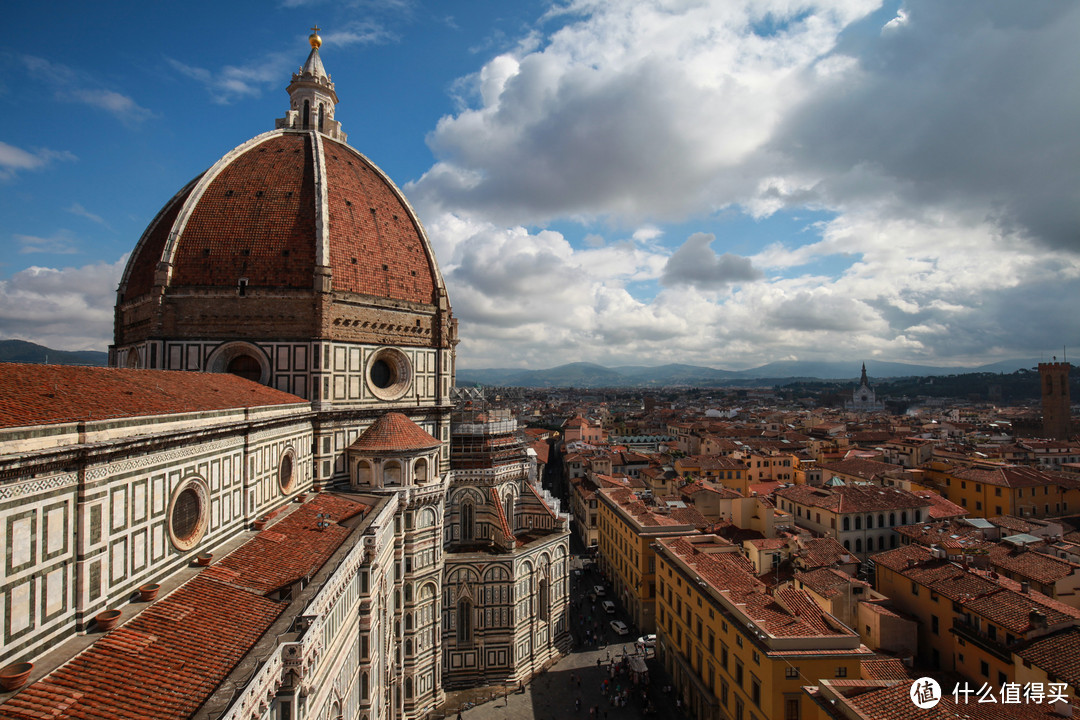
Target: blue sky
<point>618,181</point>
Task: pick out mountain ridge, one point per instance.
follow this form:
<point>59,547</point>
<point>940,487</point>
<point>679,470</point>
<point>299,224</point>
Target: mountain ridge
<point>583,374</point>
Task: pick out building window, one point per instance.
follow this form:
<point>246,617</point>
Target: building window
<point>841,672</point>
<point>791,672</point>
<point>466,521</point>
<point>286,471</point>
<point>984,668</point>
<point>934,624</point>
<point>188,513</point>
<point>791,709</point>
<point>464,621</point>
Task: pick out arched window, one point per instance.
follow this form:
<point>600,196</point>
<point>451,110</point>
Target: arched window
<point>892,519</point>
<point>892,541</point>
<point>408,647</point>
<point>869,521</point>
<point>363,473</point>
<point>322,115</point>
<point>420,471</point>
<point>508,508</point>
<point>466,521</point>
<point>847,545</point>
<point>464,621</point>
<point>307,114</point>
<point>392,473</point>
<point>858,523</point>
<point>847,524</point>
<point>903,517</point>
<point>246,367</point>
<point>408,622</point>
<point>858,545</point>
<point>363,686</point>
<point>881,520</point>
<point>918,516</point>
<point>545,599</point>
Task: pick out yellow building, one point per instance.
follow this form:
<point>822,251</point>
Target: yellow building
<point>969,621</point>
<point>728,471</point>
<point>627,528</point>
<point>988,489</point>
<point>735,649</point>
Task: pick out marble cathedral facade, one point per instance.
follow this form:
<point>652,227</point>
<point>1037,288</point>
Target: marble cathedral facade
<point>281,398</point>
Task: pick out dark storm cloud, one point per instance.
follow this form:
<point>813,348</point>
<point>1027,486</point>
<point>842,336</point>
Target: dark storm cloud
<point>696,264</point>
<point>968,106</point>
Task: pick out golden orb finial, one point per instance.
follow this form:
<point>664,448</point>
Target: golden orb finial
<point>314,39</point>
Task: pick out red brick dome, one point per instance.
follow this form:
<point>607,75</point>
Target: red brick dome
<point>288,209</point>
<point>394,432</point>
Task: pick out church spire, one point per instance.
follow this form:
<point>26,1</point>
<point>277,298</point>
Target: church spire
<point>311,96</point>
<point>863,381</point>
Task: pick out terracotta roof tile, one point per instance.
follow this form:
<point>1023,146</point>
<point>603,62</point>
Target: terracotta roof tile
<point>166,661</point>
<point>1058,654</point>
<point>392,432</point>
<point>49,394</point>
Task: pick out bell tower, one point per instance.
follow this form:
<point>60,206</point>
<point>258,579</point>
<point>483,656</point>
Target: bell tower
<point>1055,399</point>
<point>311,97</point>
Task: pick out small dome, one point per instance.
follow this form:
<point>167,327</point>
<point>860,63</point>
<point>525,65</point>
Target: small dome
<point>393,432</point>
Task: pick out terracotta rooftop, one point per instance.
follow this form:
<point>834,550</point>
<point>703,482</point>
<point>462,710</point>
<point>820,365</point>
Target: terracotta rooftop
<point>1012,476</point>
<point>884,668</point>
<point>828,582</point>
<point>941,508</point>
<point>167,660</point>
<point>890,700</point>
<point>394,432</point>
<point>50,394</point>
<point>853,498</point>
<point>859,467</point>
<point>820,552</point>
<point>265,191</point>
<point>1058,654</point>
<point>1036,566</point>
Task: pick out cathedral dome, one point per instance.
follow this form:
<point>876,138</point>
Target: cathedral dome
<point>291,236</point>
<point>285,210</point>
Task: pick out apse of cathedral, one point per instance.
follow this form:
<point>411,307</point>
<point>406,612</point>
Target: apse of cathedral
<point>272,505</point>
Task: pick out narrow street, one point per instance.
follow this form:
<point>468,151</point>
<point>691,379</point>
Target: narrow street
<point>575,686</point>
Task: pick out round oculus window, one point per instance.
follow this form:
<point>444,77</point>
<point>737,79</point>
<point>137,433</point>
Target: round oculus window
<point>389,374</point>
<point>286,471</point>
<point>187,514</point>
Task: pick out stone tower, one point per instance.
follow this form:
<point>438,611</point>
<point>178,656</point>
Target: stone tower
<point>1055,399</point>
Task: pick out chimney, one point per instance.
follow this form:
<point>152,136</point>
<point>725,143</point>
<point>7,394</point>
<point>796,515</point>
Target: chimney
<point>1037,618</point>
<point>1025,587</point>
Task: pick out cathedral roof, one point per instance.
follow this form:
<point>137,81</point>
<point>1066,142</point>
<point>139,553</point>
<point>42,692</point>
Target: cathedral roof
<point>393,432</point>
<point>295,208</point>
<point>168,660</point>
<point>279,210</point>
<point>50,394</point>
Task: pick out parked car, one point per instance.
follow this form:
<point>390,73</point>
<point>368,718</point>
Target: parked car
<point>619,627</point>
<point>609,607</point>
<point>599,590</point>
<point>648,641</point>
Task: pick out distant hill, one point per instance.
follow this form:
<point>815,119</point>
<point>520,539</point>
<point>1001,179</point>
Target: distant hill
<point>589,375</point>
<point>21,351</point>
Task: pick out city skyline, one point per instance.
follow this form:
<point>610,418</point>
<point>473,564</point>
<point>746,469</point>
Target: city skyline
<point>722,184</point>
